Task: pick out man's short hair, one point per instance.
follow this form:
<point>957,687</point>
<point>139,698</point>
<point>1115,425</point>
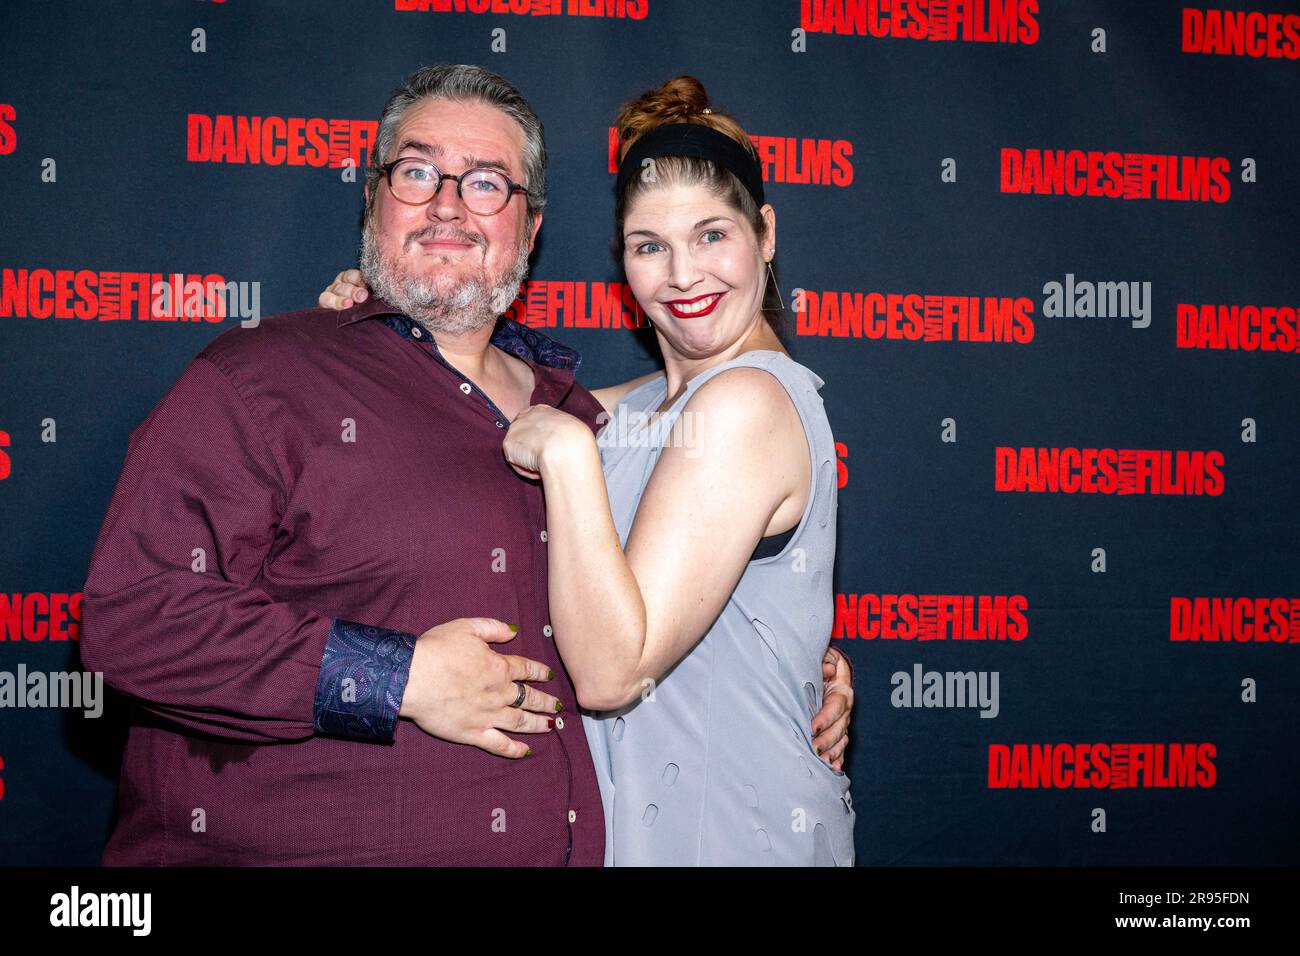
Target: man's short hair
<point>466,83</point>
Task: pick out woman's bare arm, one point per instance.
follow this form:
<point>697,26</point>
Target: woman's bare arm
<point>623,619</point>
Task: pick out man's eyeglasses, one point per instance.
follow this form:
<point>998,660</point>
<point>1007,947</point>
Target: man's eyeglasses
<point>483,190</point>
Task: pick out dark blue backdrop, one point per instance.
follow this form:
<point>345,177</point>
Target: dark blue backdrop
<point>105,91</point>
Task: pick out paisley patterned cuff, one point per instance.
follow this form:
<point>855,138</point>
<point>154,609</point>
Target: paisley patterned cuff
<point>362,678</point>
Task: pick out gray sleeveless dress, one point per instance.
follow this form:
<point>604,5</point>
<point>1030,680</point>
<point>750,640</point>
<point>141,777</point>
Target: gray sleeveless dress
<point>717,768</point>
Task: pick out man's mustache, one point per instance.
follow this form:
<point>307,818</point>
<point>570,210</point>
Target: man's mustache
<point>432,232</point>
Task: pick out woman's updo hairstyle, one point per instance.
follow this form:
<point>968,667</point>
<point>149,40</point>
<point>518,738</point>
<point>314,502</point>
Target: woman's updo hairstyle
<point>684,100</point>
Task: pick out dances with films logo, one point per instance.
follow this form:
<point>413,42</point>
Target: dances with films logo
<point>629,9</point>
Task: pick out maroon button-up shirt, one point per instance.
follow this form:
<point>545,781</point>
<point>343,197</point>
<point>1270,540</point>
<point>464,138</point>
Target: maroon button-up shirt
<point>319,468</point>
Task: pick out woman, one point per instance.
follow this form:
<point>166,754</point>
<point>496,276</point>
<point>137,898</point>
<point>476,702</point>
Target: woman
<point>691,546</point>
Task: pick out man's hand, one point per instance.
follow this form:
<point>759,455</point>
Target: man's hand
<point>459,689</point>
<point>831,724</point>
<point>347,289</point>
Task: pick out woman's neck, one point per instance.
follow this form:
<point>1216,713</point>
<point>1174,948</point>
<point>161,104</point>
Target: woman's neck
<point>679,370</point>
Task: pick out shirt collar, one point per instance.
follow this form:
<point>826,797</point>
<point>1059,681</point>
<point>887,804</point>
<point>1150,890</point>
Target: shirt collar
<point>519,340</point>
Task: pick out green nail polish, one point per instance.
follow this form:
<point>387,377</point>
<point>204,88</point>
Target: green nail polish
<point>528,752</point>
<point>514,628</point>
<point>549,673</point>
<point>819,751</point>
<point>558,706</point>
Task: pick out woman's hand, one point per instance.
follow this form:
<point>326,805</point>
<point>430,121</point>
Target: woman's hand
<point>831,723</point>
<point>541,435</point>
<point>347,289</point>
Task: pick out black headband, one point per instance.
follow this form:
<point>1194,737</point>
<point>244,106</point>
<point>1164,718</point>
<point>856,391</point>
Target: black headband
<point>693,139</point>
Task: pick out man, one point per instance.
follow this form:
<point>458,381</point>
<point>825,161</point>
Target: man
<point>293,576</point>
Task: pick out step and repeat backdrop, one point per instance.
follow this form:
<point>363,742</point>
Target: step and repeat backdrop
<point>1043,254</point>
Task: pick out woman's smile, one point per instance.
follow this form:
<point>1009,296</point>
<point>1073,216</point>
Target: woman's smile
<point>691,308</point>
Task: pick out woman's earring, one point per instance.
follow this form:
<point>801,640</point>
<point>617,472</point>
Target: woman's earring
<point>772,275</point>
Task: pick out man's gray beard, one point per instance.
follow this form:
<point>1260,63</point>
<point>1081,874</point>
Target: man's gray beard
<point>472,305</point>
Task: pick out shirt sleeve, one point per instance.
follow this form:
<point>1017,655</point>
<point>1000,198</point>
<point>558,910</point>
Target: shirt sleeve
<point>174,614</point>
<point>362,679</point>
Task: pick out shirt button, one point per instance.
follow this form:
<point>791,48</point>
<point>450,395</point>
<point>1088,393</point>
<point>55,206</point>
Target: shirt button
<point>546,629</point>
<point>417,332</point>
<point>559,723</point>
<point>543,536</point>
<point>464,387</point>
<point>573,815</point>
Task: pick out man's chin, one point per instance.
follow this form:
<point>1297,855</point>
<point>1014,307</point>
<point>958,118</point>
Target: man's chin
<point>461,307</point>
<point>464,254</point>
<point>444,292</point>
<point>423,289</point>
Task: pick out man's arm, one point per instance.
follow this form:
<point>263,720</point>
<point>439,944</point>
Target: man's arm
<point>173,615</point>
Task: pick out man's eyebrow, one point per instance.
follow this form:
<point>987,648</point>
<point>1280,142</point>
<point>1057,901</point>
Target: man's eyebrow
<point>702,222</point>
<point>437,152</point>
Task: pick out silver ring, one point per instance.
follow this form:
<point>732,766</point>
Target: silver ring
<point>523,692</point>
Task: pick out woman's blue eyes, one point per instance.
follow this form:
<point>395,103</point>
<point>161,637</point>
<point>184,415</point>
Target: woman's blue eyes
<point>645,247</point>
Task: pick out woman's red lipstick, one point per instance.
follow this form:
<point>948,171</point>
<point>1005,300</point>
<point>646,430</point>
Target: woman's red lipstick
<point>673,306</point>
